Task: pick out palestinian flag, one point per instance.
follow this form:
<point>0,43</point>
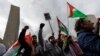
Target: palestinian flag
<point>12,51</point>
<point>73,12</point>
<point>62,27</point>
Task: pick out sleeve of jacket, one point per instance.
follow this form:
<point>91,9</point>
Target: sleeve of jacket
<point>22,36</point>
<point>92,42</point>
<point>40,37</point>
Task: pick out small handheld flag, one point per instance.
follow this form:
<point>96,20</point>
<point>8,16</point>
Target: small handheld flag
<point>62,27</point>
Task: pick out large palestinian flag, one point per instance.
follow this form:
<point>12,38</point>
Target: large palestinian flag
<point>12,51</point>
<point>73,12</point>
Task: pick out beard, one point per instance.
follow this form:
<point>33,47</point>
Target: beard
<point>90,29</point>
<point>34,42</point>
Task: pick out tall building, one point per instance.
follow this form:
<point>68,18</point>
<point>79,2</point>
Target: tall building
<point>12,28</point>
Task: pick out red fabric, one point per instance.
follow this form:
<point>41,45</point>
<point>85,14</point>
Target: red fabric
<point>62,36</point>
<point>28,39</point>
<point>76,48</point>
<point>16,44</point>
<point>71,8</point>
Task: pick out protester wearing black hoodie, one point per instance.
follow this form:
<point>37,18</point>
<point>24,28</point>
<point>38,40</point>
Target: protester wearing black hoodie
<point>24,45</point>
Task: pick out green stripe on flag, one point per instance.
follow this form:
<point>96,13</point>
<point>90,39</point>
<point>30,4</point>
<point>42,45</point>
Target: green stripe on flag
<point>77,13</point>
<point>73,12</point>
<point>62,27</point>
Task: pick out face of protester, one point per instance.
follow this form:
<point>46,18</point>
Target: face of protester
<point>52,40</point>
<point>34,39</point>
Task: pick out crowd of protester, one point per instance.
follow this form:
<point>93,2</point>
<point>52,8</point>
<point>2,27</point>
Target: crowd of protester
<point>88,43</point>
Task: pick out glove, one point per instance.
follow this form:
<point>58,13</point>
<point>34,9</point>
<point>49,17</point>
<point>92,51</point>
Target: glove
<point>42,25</point>
<point>26,27</point>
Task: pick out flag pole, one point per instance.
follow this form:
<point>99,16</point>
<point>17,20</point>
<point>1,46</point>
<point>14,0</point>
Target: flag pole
<point>51,27</point>
<point>67,19</point>
<point>48,18</point>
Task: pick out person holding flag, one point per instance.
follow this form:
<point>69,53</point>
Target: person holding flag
<point>62,32</point>
<point>24,44</point>
<point>49,47</point>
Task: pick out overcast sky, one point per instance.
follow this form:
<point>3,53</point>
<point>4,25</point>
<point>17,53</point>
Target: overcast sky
<point>32,13</point>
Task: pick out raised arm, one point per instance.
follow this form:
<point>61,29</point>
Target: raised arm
<point>41,40</point>
<point>22,39</point>
<point>22,35</point>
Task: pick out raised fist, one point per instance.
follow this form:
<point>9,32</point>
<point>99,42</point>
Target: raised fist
<point>26,27</point>
<point>42,25</point>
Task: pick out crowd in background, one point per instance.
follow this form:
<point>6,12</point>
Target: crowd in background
<point>88,43</point>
